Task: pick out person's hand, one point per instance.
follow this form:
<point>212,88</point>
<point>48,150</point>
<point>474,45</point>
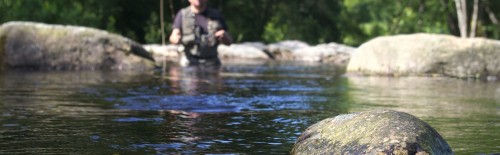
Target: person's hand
<point>175,37</point>
<point>223,37</point>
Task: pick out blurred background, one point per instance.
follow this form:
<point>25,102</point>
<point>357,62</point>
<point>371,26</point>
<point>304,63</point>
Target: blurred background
<point>350,22</point>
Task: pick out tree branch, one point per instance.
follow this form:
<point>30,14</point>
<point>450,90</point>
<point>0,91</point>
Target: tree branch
<point>462,17</point>
<point>473,24</point>
<point>491,15</point>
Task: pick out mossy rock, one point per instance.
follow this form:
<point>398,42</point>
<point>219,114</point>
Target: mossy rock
<point>44,46</point>
<point>372,132</point>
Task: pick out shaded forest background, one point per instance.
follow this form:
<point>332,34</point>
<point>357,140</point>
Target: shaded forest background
<point>350,22</point>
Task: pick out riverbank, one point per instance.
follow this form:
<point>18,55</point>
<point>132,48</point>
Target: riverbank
<point>62,47</point>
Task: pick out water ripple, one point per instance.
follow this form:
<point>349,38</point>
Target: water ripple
<point>217,103</point>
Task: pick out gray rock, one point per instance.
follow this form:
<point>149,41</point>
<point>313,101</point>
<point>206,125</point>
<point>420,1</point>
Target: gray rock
<point>163,53</point>
<point>332,52</point>
<point>425,54</point>
<point>286,50</point>
<point>43,46</point>
<point>283,50</point>
<point>243,51</point>
<point>372,132</point>
<point>259,45</point>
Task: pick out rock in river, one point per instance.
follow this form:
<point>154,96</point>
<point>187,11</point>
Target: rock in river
<point>371,132</point>
<point>427,54</point>
<point>43,46</point>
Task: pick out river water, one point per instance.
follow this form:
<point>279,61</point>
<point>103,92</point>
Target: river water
<point>243,108</point>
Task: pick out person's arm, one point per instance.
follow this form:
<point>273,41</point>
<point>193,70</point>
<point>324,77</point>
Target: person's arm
<point>222,34</point>
<point>224,37</point>
<point>175,36</point>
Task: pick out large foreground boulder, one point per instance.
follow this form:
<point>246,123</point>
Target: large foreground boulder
<point>43,46</point>
<point>372,132</point>
<point>426,54</point>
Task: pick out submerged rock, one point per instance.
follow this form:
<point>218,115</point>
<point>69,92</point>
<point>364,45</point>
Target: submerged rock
<point>372,132</point>
<point>424,54</point>
<point>43,46</point>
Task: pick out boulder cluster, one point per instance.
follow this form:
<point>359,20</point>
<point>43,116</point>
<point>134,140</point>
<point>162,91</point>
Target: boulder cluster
<point>285,50</point>
<point>38,45</point>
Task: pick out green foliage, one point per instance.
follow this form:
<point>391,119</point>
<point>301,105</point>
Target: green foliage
<point>110,26</point>
<point>370,18</point>
<point>492,30</point>
<point>273,33</point>
<point>246,19</point>
<point>153,29</point>
<point>110,15</point>
<point>350,22</point>
<point>313,21</point>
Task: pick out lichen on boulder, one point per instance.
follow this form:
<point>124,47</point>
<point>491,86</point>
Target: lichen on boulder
<point>44,46</point>
<point>371,132</point>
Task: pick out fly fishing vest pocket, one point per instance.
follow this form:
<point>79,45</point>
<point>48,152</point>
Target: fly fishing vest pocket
<point>197,42</point>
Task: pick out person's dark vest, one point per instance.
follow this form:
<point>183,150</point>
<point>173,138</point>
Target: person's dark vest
<point>195,43</point>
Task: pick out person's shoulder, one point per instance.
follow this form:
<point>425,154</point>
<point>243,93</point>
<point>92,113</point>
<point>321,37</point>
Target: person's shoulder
<point>184,10</point>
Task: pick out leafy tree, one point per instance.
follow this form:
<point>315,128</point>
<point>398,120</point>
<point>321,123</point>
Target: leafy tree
<point>366,19</point>
<point>350,22</point>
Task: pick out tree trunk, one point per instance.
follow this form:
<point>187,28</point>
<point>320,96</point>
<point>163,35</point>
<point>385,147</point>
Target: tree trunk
<point>462,17</point>
<point>162,24</point>
<point>473,24</point>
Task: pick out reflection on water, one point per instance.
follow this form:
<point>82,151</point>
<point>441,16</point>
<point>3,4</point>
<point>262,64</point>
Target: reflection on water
<point>242,108</point>
<point>427,97</point>
<point>188,80</point>
<point>466,113</point>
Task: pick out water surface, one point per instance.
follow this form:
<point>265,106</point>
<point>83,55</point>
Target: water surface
<point>245,108</point>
